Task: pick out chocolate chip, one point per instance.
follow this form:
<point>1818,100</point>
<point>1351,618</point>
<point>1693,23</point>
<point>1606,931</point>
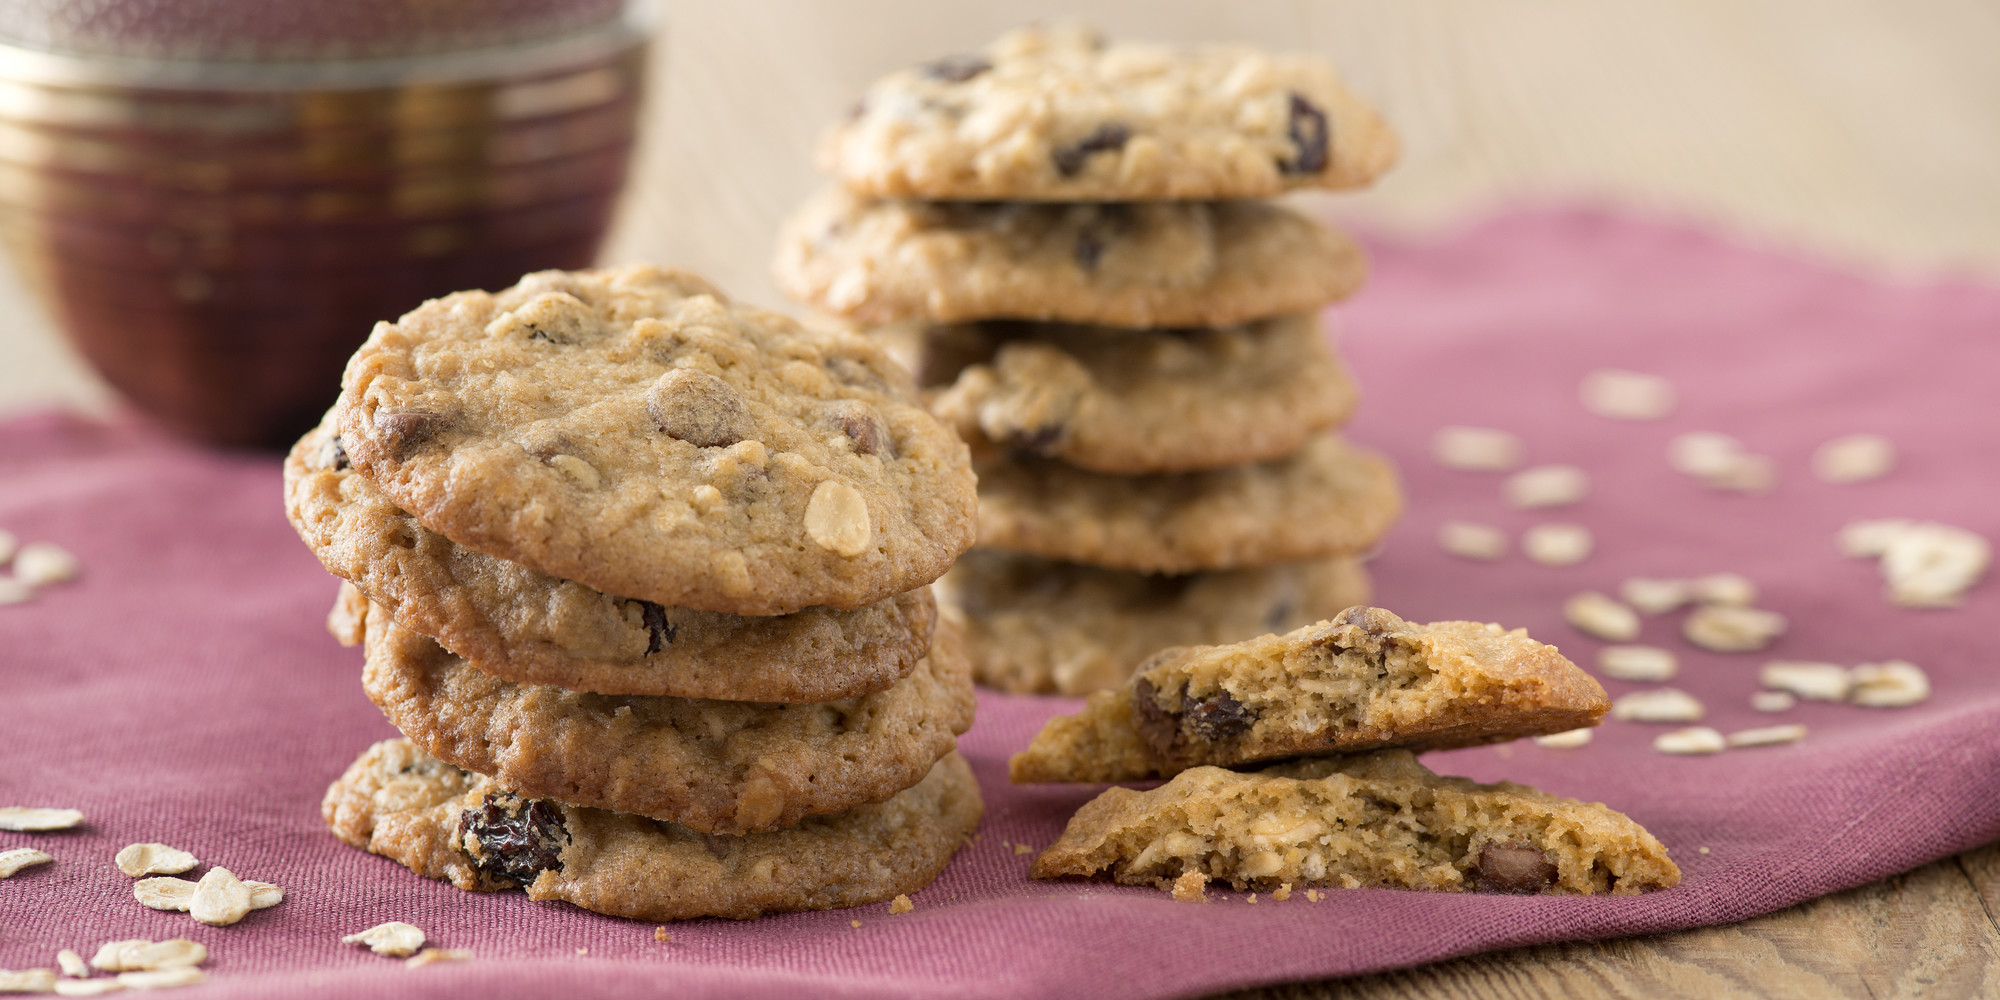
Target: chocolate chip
<point>332,455</point>
<point>1310,135</point>
<point>660,632</point>
<point>1516,869</point>
<point>956,69</point>
<point>864,427</point>
<point>1159,727</point>
<point>518,839</point>
<point>698,408</point>
<point>403,433</point>
<point>1217,716</point>
<point>1108,136</point>
<point>1374,623</point>
<point>1035,440</point>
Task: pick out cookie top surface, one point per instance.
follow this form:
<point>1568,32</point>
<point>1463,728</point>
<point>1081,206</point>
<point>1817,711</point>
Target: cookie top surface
<point>1061,114</point>
<point>1138,264</point>
<point>1363,680</point>
<point>523,625</point>
<point>713,766</point>
<point>634,431</point>
<point>1329,499</point>
<point>1133,402</point>
<point>1367,819</point>
<point>1033,626</point>
<point>443,822</point>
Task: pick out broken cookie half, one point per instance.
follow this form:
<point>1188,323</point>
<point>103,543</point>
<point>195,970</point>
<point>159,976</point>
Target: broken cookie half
<point>1365,680</point>
<point>1376,819</point>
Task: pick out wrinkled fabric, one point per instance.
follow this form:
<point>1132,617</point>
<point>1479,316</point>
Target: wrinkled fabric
<point>186,691</point>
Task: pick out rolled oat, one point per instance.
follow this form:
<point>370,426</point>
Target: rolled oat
<point>1657,705</point>
<point>1557,544</point>
<point>1655,597</point>
<point>24,819</point>
<point>1649,664</point>
<point>1853,459</point>
<point>153,859</point>
<point>1693,740</point>
<point>1765,736</point>
<point>1728,629</point>
<point>1597,615</point>
<point>1894,684</point>
<point>15,859</point>
<point>1626,395</point>
<point>1547,486</point>
<point>394,938</point>
<point>1568,739</point>
<point>1468,540</point>
<point>1479,449</point>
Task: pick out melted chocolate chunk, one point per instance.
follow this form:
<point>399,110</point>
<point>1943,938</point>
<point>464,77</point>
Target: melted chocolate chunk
<point>1310,135</point>
<point>403,433</point>
<point>518,839</point>
<point>956,69</point>
<point>1374,623</point>
<point>1109,136</point>
<point>864,427</point>
<point>699,408</point>
<point>1515,869</point>
<point>659,631</point>
<point>1217,716</point>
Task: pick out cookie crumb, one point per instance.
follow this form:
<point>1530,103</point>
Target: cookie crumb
<point>1626,395</point>
<point>1855,458</point>
<point>1191,887</point>
<point>1599,616</point>
<point>1282,893</point>
<point>583,951</point>
<point>14,860</point>
<point>1648,664</point>
<point>660,934</point>
<point>1701,850</point>
<point>854,923</point>
<point>432,956</point>
<point>1567,740</point>
<point>1693,740</point>
<point>1469,540</point>
<point>1547,486</point>
<point>1252,900</point>
<point>1023,849</point>
<point>1657,705</point>
<point>901,904</point>
<point>1765,736</point>
<point>1477,449</point>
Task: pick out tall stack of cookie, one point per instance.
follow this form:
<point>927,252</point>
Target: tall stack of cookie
<point>1065,239</point>
<point>642,576</point>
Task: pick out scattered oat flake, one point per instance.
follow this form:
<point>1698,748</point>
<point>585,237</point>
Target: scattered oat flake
<point>1811,681</point>
<point>432,956</point>
<point>1597,615</point>
<point>1732,589</point>
<point>394,938</point>
<point>1469,540</point>
<point>141,955</point>
<point>1626,395</point>
<point>24,819</point>
<point>1726,629</point>
<point>1702,850</point>
<point>901,904</point>
<point>27,981</point>
<point>88,987</point>
<point>1773,701</point>
<point>1870,538</point>
<point>1477,449</point>
<point>1703,454</point>
<point>38,564</point>
<point>1557,544</point>
<point>1745,474</point>
<point>1568,739</point>
<point>854,923</point>
<point>1765,736</point>
<point>164,893</point>
<point>72,964</point>
<point>13,591</point>
<point>1024,849</point>
<point>1855,458</point>
<point>153,859</point>
<point>1655,596</point>
<point>220,898</point>
<point>1657,705</point>
<point>1894,684</point>
<point>583,951</point>
<point>1647,664</point>
<point>1931,565</point>
<point>1547,486</point>
<point>15,859</point>
<point>164,979</point>
<point>1693,740</point>
<point>1282,892</point>
<point>8,546</point>
<point>1191,887</point>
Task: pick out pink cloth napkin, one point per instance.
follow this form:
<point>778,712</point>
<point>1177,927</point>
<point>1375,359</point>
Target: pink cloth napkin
<point>185,691</point>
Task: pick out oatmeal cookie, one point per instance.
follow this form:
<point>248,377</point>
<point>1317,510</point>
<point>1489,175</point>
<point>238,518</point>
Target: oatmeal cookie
<point>1131,402</point>
<point>526,626</point>
<point>1378,819</point>
<point>1137,264</point>
<point>636,432</point>
<point>1059,114</point>
<point>714,766</point>
<point>1329,499</point>
<point>446,823</point>
<point>1038,627</point>
<point>1365,680</point>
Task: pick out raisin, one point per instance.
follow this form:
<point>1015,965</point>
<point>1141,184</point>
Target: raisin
<point>1217,716</point>
<point>518,839</point>
<point>1159,727</point>
<point>1310,135</point>
<point>956,69</point>
<point>659,631</point>
<point>403,433</point>
<point>699,408</point>
<point>1107,137</point>
<point>1515,869</point>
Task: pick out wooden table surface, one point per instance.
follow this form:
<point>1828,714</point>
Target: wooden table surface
<point>1867,132</point>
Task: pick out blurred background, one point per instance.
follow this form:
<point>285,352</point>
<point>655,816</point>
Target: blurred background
<point>1865,132</point>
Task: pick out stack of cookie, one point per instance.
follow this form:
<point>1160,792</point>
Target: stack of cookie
<point>642,576</point>
<point>1064,241</point>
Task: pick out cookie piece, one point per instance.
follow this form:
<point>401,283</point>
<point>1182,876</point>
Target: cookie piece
<point>1329,499</point>
<point>1378,819</point>
<point>1038,627</point>
<point>1126,121</point>
<point>522,625</point>
<point>715,766</point>
<point>1127,264</point>
<point>634,431</point>
<point>1131,402</point>
<point>446,823</point>
<point>1365,680</point>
